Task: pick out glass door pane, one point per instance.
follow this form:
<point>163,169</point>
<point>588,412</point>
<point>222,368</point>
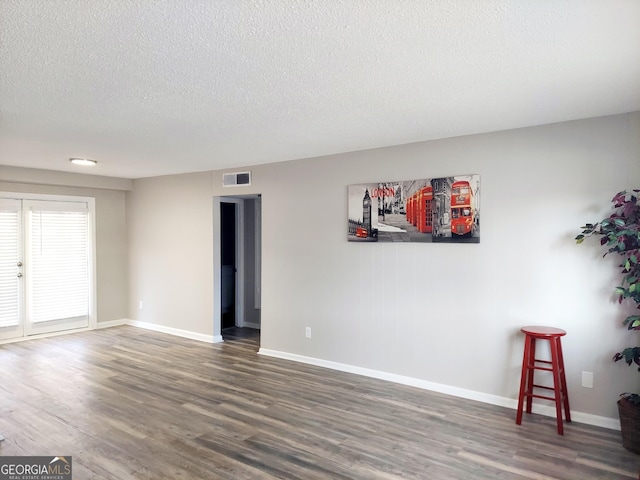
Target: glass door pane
<point>57,266</point>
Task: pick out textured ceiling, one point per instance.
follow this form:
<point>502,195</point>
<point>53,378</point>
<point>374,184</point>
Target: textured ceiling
<point>154,87</point>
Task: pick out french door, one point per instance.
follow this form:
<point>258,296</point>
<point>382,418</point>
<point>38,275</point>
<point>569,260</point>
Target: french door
<point>45,266</point>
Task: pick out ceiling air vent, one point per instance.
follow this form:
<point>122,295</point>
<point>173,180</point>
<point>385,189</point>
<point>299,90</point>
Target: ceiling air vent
<point>236,179</point>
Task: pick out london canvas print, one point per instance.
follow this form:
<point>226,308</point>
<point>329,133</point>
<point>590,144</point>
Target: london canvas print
<point>430,210</point>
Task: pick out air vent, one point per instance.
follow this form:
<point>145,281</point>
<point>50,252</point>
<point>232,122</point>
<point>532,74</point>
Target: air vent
<point>236,179</point>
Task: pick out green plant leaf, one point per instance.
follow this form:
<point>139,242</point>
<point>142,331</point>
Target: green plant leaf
<point>620,233</point>
<point>629,355</point>
<point>632,322</point>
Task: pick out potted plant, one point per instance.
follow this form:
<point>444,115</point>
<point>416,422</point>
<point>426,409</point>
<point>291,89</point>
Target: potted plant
<point>620,234</point>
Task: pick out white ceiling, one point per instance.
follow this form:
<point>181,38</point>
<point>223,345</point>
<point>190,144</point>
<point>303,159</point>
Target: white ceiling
<point>155,87</point>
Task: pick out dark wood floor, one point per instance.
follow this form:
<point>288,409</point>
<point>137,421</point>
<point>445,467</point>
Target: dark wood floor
<point>128,403</point>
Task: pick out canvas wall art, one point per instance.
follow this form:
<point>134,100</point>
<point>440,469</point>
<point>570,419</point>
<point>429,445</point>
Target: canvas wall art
<point>428,210</point>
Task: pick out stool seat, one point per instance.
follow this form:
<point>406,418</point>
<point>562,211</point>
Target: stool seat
<point>556,366</point>
<point>540,331</point>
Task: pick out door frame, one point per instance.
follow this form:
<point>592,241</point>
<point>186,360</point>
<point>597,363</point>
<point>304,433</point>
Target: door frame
<point>93,287</point>
<point>13,332</point>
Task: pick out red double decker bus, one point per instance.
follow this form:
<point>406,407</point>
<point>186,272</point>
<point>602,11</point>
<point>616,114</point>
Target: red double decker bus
<point>461,209</point>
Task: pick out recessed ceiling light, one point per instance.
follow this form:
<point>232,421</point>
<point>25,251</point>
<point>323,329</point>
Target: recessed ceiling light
<point>83,161</point>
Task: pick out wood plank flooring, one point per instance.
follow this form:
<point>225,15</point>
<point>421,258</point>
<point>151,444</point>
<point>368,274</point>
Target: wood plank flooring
<point>128,403</point>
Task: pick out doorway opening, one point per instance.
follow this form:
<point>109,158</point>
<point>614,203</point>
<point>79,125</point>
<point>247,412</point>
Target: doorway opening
<point>237,261</point>
<point>228,264</point>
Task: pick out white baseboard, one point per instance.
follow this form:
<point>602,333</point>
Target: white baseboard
<point>113,323</point>
<point>605,422</point>
<point>173,331</point>
<point>44,335</point>
<point>162,329</point>
<point>125,321</point>
<point>578,417</point>
<point>99,325</point>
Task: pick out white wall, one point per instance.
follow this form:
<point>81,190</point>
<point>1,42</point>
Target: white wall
<point>112,275</point>
<point>443,313</point>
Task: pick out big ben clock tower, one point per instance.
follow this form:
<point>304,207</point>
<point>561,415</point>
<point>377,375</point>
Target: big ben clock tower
<point>366,212</point>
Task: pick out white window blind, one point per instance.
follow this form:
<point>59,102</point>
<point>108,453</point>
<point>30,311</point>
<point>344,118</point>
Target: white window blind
<point>58,261</point>
<point>9,258</point>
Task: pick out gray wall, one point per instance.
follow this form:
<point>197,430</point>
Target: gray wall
<point>252,314</point>
<point>443,313</point>
<point>170,225</point>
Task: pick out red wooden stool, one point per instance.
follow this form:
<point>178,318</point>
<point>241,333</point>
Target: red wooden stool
<point>556,366</point>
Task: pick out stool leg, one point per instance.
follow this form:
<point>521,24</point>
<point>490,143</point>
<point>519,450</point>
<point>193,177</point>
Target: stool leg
<point>523,378</point>
<point>563,381</point>
<point>557,387</point>
<point>531,363</point>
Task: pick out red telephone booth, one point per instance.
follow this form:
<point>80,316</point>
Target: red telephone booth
<point>414,209</point>
<point>425,210</point>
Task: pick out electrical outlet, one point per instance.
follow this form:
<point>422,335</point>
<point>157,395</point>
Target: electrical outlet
<point>587,379</point>
<point>307,332</point>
